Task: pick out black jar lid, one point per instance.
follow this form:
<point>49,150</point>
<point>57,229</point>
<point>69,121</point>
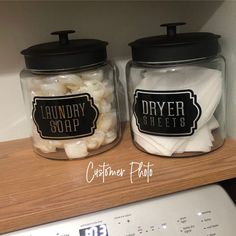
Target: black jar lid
<point>65,54</point>
<point>175,47</point>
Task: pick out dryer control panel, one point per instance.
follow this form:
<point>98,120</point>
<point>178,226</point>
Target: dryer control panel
<point>204,211</point>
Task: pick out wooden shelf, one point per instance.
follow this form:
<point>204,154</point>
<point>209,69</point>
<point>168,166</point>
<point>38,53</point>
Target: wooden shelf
<point>35,190</point>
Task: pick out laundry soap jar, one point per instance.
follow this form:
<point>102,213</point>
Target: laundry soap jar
<point>69,89</point>
<point>176,88</point>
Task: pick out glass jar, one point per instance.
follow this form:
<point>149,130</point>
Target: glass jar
<point>69,91</point>
<point>176,89</point>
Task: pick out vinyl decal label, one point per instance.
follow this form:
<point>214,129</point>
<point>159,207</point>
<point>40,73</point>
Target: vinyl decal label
<point>65,117</point>
<point>166,113</point>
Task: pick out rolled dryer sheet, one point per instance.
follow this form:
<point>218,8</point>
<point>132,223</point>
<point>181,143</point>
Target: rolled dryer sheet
<point>200,141</point>
<point>206,85</point>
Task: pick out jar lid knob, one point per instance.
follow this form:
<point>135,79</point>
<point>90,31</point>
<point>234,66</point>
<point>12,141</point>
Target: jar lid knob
<point>171,28</point>
<point>63,36</point>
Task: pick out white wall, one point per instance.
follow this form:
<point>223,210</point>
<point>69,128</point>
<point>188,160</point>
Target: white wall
<point>223,22</point>
<point>23,24</point>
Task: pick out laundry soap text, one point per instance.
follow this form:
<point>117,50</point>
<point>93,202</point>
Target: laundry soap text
<point>65,117</point>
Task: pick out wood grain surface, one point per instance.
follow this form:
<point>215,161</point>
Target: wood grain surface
<point>35,190</point>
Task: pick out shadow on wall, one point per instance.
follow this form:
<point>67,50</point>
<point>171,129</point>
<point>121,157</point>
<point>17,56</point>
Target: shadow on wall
<point>26,23</point>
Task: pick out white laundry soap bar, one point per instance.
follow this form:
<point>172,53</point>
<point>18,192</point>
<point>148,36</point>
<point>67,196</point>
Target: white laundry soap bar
<point>76,149</point>
<point>92,75</point>
<point>49,88</point>
<point>96,89</point>
<point>104,106</point>
<point>110,136</point>
<point>34,86</point>
<point>58,143</point>
<point>53,86</point>
<point>109,90</point>
<point>92,144</point>
<point>46,146</point>
<point>71,82</point>
<point>96,140</point>
<point>106,121</point>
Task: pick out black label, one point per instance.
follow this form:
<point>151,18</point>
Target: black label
<point>65,117</point>
<point>166,113</point>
